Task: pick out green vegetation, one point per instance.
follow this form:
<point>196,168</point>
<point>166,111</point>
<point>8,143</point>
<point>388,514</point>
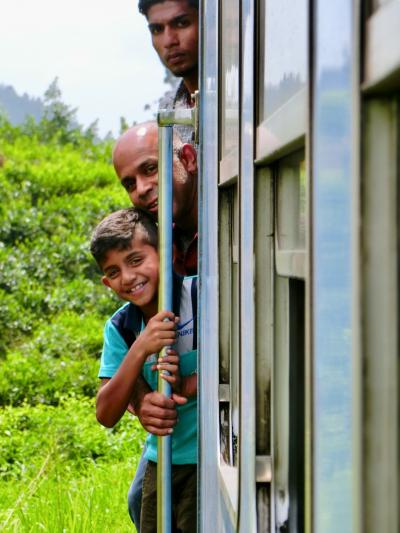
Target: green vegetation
<point>59,469</point>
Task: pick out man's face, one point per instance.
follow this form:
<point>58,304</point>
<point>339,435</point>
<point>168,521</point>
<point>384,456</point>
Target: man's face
<point>174,29</point>
<point>133,273</point>
<point>136,164</point>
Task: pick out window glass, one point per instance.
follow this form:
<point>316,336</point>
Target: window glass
<point>289,403</point>
<point>334,469</point>
<point>284,55</point>
<point>230,77</point>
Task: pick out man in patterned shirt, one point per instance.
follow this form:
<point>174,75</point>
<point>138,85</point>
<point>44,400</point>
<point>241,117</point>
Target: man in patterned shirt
<point>174,33</point>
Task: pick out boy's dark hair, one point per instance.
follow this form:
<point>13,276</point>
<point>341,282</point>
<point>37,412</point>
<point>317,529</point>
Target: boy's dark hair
<point>116,231</point>
<point>145,5</point>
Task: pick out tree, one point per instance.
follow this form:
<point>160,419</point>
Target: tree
<point>59,120</point>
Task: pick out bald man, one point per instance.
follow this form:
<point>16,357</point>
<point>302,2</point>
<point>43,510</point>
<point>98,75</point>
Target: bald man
<point>135,159</point>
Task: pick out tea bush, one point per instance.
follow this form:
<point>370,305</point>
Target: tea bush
<point>57,182</point>
<point>54,194</point>
<point>68,432</point>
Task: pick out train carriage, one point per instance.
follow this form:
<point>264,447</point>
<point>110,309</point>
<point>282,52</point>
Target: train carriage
<point>299,277</point>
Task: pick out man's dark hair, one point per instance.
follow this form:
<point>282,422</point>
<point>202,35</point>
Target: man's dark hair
<point>116,231</point>
<point>145,5</point>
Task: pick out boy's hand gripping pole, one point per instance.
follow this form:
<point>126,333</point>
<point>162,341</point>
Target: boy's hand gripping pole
<point>166,119</point>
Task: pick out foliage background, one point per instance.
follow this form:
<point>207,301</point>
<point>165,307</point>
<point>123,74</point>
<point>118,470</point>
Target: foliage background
<point>60,470</point>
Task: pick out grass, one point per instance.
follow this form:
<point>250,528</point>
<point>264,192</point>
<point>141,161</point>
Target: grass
<point>54,502</point>
<point>66,485</point>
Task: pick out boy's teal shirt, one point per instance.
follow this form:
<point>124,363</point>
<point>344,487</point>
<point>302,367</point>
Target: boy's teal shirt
<point>119,334</point>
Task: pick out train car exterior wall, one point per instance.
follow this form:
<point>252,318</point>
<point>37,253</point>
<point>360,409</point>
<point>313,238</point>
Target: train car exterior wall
<point>299,254</point>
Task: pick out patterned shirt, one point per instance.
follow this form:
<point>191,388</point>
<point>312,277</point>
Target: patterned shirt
<point>179,99</point>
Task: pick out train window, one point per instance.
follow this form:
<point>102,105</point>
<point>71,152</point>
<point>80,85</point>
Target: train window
<point>297,404</point>
<point>283,78</point>
<point>229,325</point>
<point>229,90</point>
<point>290,215</point>
<point>288,404</point>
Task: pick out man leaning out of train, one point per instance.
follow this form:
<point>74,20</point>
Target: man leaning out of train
<point>124,245</point>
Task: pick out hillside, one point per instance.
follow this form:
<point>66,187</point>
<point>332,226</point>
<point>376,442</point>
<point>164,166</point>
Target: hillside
<point>17,108</point>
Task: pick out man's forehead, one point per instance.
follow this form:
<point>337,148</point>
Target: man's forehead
<point>143,140</point>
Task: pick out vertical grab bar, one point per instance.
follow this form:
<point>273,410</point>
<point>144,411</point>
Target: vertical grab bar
<point>165,192</point>
<point>166,119</point>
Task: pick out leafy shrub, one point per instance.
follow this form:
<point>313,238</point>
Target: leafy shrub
<point>60,358</point>
<point>69,431</point>
<point>54,194</point>
<point>57,182</point>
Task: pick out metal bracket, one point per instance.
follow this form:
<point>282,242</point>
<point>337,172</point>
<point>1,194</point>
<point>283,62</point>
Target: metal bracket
<point>182,117</point>
<point>263,469</point>
<point>224,392</point>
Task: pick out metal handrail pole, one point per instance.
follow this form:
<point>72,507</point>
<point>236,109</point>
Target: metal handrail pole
<point>165,302</point>
<point>166,119</point>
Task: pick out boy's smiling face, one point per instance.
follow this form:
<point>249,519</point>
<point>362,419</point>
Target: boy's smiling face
<point>133,274</point>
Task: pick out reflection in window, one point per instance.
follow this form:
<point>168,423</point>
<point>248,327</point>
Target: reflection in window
<point>230,77</point>
<point>284,54</point>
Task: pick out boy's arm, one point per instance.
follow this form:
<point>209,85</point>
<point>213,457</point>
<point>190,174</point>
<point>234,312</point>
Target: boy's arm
<point>115,394</point>
<point>189,386</point>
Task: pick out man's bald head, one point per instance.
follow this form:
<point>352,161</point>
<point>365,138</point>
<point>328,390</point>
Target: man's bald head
<point>134,135</point>
<point>140,138</point>
<point>135,159</point>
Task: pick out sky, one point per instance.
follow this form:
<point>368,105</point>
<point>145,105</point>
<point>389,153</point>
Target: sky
<point>100,50</point>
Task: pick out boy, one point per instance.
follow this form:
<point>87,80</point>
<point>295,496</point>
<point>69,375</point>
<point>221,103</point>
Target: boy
<point>124,245</point>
